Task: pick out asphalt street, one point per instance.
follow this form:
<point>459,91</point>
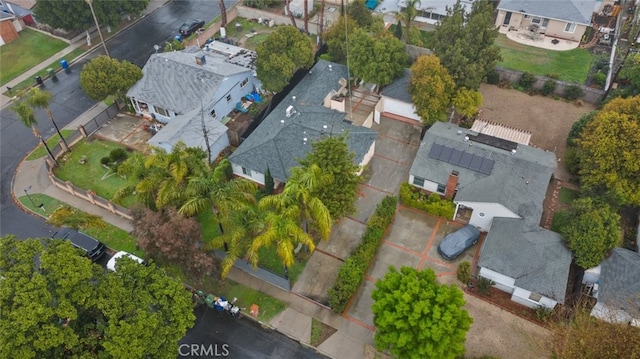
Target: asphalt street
<point>69,101</point>
<point>218,334</point>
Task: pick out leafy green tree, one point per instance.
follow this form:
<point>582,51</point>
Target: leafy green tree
<point>431,89</point>
<point>160,180</point>
<point>465,43</point>
<point>378,60</point>
<point>416,317</point>
<point>27,116</point>
<point>593,231</point>
<point>104,76</point>
<point>333,156</point>
<point>57,304</point>
<point>336,37</point>
<point>610,149</point>
<point>269,185</point>
<point>398,30</point>
<point>283,52</point>
<point>630,71</point>
<point>467,102</point>
<point>359,12</point>
<point>76,15</point>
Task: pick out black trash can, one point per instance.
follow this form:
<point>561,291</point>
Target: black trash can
<point>39,80</point>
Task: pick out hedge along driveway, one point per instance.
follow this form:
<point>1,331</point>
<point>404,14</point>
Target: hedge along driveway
<point>570,66</point>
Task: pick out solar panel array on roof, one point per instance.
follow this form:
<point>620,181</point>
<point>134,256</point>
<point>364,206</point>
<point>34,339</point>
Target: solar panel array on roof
<point>461,158</point>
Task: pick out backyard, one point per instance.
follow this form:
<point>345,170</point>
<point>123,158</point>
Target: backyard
<point>570,66</point>
<point>28,50</point>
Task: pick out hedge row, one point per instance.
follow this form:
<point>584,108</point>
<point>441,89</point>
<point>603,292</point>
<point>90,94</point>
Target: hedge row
<point>354,268</point>
<point>412,196</point>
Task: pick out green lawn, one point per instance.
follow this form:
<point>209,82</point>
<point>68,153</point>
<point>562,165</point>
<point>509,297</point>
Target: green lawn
<point>567,195</point>
<point>51,142</point>
<point>572,65</point>
<point>112,236</point>
<point>92,175</point>
<point>30,49</point>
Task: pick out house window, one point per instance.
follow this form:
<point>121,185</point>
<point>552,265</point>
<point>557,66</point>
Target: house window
<point>213,113</point>
<point>228,98</point>
<point>418,181</point>
<point>441,188</point>
<point>536,20</point>
<point>244,83</point>
<point>570,27</point>
<point>161,111</point>
<point>246,171</point>
<point>535,297</point>
<point>545,23</point>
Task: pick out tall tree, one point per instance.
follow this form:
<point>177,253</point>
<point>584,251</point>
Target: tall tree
<point>416,317</point>
<point>333,156</point>
<point>378,60</point>
<point>41,99</point>
<point>306,16</point>
<point>398,30</point>
<point>408,14</point>
<point>291,17</point>
<point>269,185</point>
<point>610,148</point>
<point>104,76</point>
<point>467,102</point>
<point>431,89</point>
<point>57,304</point>
<point>336,37</point>
<point>593,231</point>
<point>283,52</point>
<point>359,12</point>
<point>28,118</point>
<point>465,43</point>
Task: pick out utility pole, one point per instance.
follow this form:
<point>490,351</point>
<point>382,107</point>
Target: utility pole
<point>95,19</point>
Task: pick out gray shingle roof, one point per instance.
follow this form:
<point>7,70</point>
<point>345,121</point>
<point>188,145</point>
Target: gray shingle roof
<point>620,280</point>
<point>174,81</point>
<point>519,182</point>
<point>535,257</point>
<point>278,142</point>
<point>398,89</point>
<point>188,128</point>
<point>579,11</point>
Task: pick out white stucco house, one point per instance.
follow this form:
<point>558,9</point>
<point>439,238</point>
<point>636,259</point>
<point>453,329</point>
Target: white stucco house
<point>314,110</point>
<point>191,92</point>
<point>499,186</point>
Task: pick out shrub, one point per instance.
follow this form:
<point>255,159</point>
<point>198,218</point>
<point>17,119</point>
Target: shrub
<point>542,313</point>
<point>353,269</point>
<point>118,155</point>
<point>572,160</point>
<point>573,92</point>
<point>413,197</point>
<point>549,87</point>
<point>578,127</point>
<point>105,161</point>
<point>464,272</point>
<point>493,77</point>
<point>527,80</point>
<point>484,284</point>
<point>553,75</point>
<point>599,79</point>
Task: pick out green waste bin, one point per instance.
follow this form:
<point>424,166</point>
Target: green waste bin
<point>51,73</point>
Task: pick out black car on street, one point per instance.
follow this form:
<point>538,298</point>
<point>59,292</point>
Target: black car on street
<point>93,248</point>
<point>189,28</point>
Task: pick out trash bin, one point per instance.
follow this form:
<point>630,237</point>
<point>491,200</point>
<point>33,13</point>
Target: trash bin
<point>39,80</point>
<point>178,38</point>
<point>51,73</point>
<point>64,64</point>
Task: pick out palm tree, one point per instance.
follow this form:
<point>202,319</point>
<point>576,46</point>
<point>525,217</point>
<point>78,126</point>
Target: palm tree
<point>223,13</point>
<point>306,17</point>
<point>298,196</point>
<point>215,191</point>
<point>283,230</point>
<point>242,225</point>
<point>28,118</point>
<point>407,15</point>
<point>41,99</point>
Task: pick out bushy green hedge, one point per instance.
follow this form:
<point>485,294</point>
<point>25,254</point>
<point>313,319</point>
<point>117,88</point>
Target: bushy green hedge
<point>412,196</point>
<point>354,268</point>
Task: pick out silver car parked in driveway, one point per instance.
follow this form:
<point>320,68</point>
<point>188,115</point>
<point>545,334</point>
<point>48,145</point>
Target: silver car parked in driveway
<point>457,242</point>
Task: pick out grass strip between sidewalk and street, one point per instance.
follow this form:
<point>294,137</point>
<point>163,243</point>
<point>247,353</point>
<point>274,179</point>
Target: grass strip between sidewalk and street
<point>40,151</point>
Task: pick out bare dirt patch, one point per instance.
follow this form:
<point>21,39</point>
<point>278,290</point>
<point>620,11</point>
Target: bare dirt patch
<point>548,120</point>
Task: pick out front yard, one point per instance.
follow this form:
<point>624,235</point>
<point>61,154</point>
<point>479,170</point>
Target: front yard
<point>570,66</point>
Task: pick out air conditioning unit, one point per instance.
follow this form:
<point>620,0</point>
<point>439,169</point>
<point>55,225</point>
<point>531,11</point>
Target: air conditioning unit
<point>290,111</point>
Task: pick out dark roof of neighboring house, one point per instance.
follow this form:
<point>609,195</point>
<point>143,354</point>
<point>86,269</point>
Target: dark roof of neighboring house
<point>535,257</point>
<point>18,8</point>
<point>188,128</point>
<point>399,88</point>
<point>620,279</point>
<point>278,142</point>
<point>174,81</point>
<point>579,11</point>
<point>518,181</point>
<point>6,16</point>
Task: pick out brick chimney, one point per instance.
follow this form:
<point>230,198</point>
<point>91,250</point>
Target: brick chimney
<point>452,182</point>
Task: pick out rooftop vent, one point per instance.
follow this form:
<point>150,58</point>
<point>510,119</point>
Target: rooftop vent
<point>290,111</point>
<point>200,60</point>
<point>330,67</point>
